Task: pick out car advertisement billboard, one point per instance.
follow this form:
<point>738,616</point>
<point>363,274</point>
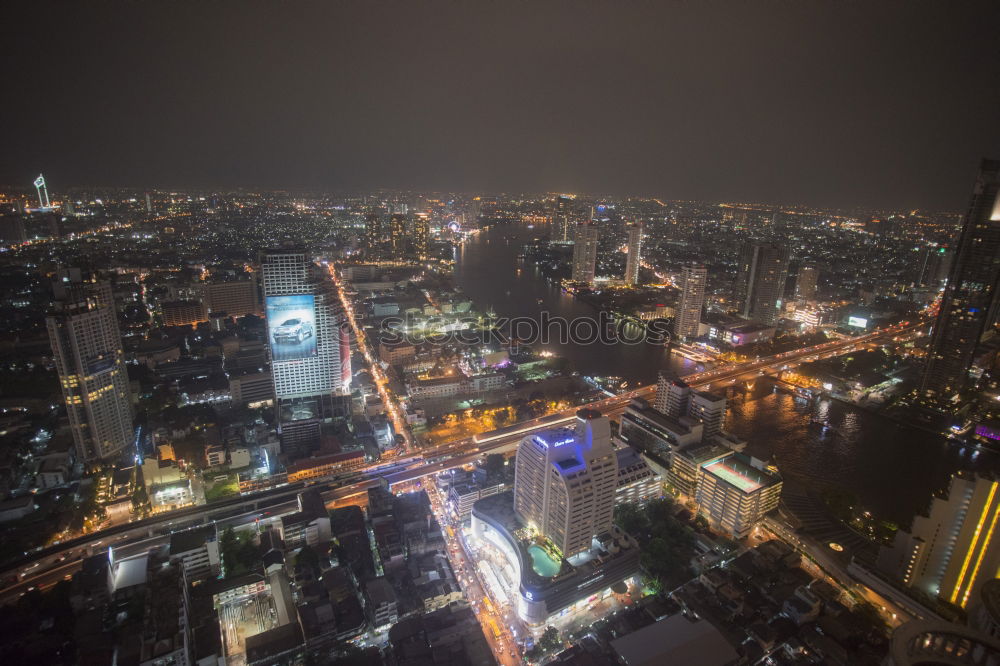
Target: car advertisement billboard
<point>291,326</point>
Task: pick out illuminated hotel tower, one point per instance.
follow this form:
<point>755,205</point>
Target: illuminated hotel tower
<point>970,291</point>
<point>688,317</point>
<point>87,349</point>
<point>585,252</point>
<point>955,548</point>
<point>565,480</point>
<point>634,256</point>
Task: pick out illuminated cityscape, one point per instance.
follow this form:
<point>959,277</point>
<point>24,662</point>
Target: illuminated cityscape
<point>446,334</point>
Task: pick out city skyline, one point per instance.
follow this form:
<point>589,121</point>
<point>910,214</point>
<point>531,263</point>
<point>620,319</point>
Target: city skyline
<point>500,334</point>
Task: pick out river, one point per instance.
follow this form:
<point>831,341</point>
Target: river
<point>892,469</point>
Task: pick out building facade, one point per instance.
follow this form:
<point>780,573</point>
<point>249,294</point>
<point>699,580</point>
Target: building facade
<point>585,252</point>
<point>969,297</point>
<point>303,319</point>
<point>760,281</point>
<point>688,316</point>
<point>633,258</point>
<point>953,550</point>
<point>87,350</point>
<point>565,481</point>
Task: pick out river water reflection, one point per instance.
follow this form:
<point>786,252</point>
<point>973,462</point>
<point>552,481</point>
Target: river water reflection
<point>893,469</point>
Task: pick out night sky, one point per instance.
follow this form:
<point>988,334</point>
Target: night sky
<point>834,104</point>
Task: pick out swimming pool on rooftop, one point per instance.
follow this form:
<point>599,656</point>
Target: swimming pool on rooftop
<point>542,563</point>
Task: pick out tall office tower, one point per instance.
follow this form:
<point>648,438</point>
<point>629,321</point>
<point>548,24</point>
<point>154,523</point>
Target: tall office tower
<point>422,234</point>
<point>87,348</point>
<point>688,317</point>
<point>708,408</point>
<point>934,266</point>
<point>955,548</point>
<point>374,235</point>
<point>672,396</point>
<point>565,480</point>
<point>149,204</point>
<point>972,284</point>
<point>397,235</point>
<point>760,281</point>
<point>585,252</point>
<point>805,284</point>
<point>634,256</point>
<point>68,208</point>
<point>561,227</point>
<point>303,318</point>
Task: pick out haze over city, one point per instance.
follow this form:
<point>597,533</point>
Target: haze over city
<point>440,334</point>
<point>886,104</point>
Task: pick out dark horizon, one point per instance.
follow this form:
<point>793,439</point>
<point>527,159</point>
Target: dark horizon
<point>817,104</point>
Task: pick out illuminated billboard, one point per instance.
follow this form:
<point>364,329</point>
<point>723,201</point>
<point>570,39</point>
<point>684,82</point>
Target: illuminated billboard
<point>859,322</point>
<point>291,326</point>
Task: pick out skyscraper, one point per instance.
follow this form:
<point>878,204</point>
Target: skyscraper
<point>421,235</point>
<point>87,349</point>
<point>955,548</point>
<point>561,228</point>
<point>303,318</point>
<point>805,284</point>
<point>565,480</point>
<point>760,280</point>
<point>634,256</point>
<point>688,317</point>
<point>972,284</point>
<point>373,234</point>
<point>397,235</point>
<point>585,252</point>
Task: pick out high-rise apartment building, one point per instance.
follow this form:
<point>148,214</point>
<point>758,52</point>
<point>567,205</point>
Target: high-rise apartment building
<point>585,252</point>
<point>565,481</point>
<point>633,258</point>
<point>955,548</point>
<point>969,294</point>
<point>397,235</point>
<point>303,323</point>
<point>421,235</point>
<point>805,283</point>
<point>688,316</point>
<point>760,280</point>
<point>374,236</point>
<point>87,349</point>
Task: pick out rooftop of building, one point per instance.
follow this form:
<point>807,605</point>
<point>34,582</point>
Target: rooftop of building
<point>319,461</point>
<point>188,540</point>
<point>273,642</point>
<point>699,454</point>
<point>739,473</point>
<point>675,640</point>
<point>644,409</point>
